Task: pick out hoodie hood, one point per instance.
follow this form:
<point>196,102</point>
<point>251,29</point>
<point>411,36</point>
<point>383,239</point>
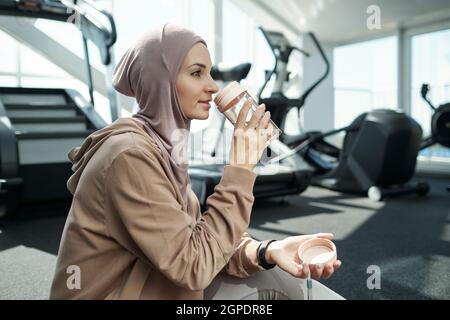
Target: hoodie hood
<point>148,72</point>
<point>81,155</point>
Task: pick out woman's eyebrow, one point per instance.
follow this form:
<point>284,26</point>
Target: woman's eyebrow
<point>201,65</point>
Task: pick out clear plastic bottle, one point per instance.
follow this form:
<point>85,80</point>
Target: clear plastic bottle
<point>230,101</point>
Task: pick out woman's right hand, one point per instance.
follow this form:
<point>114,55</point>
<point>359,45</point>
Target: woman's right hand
<point>284,254</point>
<point>250,138</point>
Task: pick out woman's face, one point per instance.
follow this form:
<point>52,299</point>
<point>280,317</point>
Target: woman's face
<point>195,86</point>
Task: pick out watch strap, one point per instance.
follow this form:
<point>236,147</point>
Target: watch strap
<point>261,254</point>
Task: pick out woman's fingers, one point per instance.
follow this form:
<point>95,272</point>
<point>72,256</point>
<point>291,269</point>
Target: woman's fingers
<point>316,271</point>
<point>264,121</point>
<point>324,235</point>
<point>297,270</point>
<point>302,271</point>
<point>249,141</point>
<point>327,271</point>
<point>270,129</point>
<point>292,268</point>
<point>306,270</point>
<point>264,132</point>
<point>337,264</point>
<point>256,117</point>
<point>242,116</point>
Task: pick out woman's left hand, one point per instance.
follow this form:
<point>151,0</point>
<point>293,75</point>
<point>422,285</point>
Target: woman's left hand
<point>283,253</point>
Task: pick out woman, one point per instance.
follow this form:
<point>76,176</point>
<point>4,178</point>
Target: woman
<point>135,230</point>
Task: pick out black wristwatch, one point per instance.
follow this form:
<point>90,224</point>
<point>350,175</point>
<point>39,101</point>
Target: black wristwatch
<point>261,254</point>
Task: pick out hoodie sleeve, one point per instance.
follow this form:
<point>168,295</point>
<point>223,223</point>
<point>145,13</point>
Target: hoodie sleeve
<point>240,265</point>
<point>189,252</point>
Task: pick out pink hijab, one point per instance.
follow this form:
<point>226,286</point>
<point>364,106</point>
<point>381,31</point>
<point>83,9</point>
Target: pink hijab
<point>148,72</point>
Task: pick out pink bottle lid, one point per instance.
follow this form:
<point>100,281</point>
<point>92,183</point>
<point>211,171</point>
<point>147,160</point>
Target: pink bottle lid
<point>317,251</point>
<point>225,99</point>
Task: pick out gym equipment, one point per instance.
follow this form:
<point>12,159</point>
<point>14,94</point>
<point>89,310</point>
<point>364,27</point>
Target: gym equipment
<point>440,122</point>
<point>39,126</point>
<point>380,194</point>
<point>207,162</point>
<point>379,150</point>
<point>37,129</point>
<point>277,103</point>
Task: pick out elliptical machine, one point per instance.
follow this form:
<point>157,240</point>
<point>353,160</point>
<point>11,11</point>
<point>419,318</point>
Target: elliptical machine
<point>380,148</point>
<point>440,122</point>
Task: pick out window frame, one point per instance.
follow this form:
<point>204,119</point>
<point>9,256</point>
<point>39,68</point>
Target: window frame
<point>404,56</point>
<point>425,165</point>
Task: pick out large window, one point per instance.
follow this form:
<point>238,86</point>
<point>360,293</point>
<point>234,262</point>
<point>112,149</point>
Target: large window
<point>69,36</point>
<point>365,78</point>
<point>133,17</point>
<point>201,21</point>
<point>430,54</point>
<point>23,67</point>
<point>242,42</point>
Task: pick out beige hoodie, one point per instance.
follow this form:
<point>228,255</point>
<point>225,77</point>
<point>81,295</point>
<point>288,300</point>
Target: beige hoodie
<point>128,236</point>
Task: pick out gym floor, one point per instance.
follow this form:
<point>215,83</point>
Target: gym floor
<point>407,238</point>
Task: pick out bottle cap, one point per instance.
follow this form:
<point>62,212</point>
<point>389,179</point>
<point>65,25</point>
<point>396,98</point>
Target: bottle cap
<point>317,251</point>
<point>225,98</point>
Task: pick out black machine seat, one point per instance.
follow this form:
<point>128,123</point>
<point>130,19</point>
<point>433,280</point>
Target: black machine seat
<point>233,73</point>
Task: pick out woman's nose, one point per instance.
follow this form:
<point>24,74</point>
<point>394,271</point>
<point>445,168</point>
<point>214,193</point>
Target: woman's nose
<point>212,86</point>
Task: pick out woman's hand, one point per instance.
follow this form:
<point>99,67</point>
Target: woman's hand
<point>283,253</point>
<point>250,139</point>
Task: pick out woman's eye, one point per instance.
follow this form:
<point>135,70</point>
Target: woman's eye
<point>196,74</point>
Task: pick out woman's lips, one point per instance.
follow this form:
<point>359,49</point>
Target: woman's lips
<point>205,104</point>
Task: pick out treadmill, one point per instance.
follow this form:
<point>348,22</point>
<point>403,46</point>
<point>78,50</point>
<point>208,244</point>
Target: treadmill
<point>207,162</point>
<point>39,126</point>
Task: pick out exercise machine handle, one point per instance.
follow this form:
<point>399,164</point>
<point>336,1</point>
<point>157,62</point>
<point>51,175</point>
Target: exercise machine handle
<point>423,92</point>
<point>325,60</point>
